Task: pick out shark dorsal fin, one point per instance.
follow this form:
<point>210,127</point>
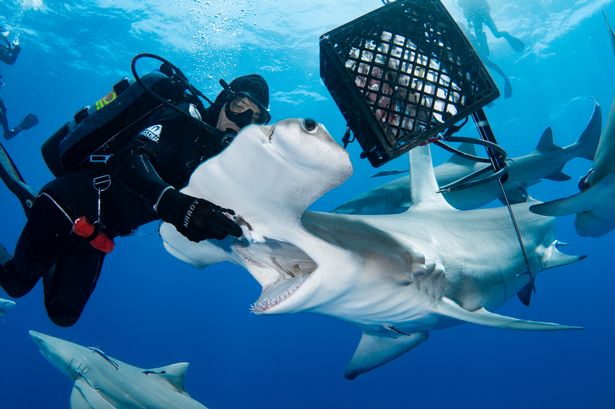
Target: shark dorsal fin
<point>423,185</point>
<point>174,374</point>
<point>546,142</point>
<point>465,147</point>
<point>377,349</point>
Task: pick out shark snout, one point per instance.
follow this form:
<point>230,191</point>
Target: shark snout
<point>39,339</point>
<point>52,349</point>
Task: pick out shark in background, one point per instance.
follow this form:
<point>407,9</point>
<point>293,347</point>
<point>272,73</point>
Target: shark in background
<point>545,162</point>
<point>594,205</point>
<point>5,306</point>
<point>103,382</point>
<point>397,277</point>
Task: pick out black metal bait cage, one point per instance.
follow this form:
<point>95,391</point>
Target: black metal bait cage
<point>401,75</point>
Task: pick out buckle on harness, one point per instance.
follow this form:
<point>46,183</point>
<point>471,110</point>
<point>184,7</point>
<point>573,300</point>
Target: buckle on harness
<point>102,183</point>
<point>100,158</point>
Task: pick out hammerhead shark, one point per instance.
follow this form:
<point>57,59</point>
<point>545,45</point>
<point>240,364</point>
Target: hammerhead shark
<point>103,382</point>
<point>545,162</point>
<point>397,277</point>
<point>595,212</point>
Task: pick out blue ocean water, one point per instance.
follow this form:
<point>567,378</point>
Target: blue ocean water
<point>150,309</point>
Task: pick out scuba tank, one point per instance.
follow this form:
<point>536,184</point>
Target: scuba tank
<point>98,130</point>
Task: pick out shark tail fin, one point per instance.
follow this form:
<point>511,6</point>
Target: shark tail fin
<point>481,316</point>
<point>376,349</point>
<point>586,145</point>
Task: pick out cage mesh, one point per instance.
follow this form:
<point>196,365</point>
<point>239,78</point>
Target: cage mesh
<point>401,75</point>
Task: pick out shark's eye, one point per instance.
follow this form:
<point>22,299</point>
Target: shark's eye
<point>310,126</point>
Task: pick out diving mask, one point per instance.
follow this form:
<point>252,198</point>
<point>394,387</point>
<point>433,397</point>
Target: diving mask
<point>243,109</point>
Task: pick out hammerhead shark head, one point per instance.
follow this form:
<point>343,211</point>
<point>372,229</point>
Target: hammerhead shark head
<point>397,277</point>
<point>103,382</point>
<point>545,162</point>
<point>595,212</point>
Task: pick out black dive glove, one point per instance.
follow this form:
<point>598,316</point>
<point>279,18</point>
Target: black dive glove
<point>197,219</point>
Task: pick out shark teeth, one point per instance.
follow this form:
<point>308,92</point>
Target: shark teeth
<point>283,290</point>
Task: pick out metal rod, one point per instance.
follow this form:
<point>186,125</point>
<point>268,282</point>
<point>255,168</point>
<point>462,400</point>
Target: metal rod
<point>485,131</point>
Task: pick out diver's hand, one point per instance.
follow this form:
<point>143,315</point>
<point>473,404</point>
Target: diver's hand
<point>195,218</point>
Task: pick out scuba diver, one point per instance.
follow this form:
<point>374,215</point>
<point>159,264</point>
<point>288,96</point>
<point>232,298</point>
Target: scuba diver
<point>9,50</point>
<point>73,220</point>
<point>28,122</point>
<point>478,13</point>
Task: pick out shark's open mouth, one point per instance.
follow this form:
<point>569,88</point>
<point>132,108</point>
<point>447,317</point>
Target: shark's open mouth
<point>281,268</point>
<point>276,293</point>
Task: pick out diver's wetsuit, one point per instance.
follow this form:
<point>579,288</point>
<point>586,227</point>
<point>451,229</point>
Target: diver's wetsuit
<point>9,51</point>
<point>4,122</point>
<point>163,155</point>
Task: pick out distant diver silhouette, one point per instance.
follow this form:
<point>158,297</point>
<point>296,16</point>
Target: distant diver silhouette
<point>478,13</point>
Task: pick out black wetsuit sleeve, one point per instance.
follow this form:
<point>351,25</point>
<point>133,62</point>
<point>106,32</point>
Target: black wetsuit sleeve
<point>159,156</point>
<point>141,177</point>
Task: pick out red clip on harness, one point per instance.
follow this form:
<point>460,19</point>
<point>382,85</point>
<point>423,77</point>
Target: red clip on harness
<point>99,240</point>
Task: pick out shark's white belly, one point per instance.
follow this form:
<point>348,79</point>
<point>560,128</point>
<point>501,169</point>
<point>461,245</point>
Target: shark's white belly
<point>472,259</point>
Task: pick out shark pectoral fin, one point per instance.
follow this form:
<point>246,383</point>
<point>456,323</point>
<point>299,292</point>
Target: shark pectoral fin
<point>558,176</point>
<point>173,374</point>
<point>481,316</point>
<point>596,198</point>
<point>200,255</point>
<point>569,205</point>
<point>375,350</point>
<point>84,396</point>
<point>554,258</point>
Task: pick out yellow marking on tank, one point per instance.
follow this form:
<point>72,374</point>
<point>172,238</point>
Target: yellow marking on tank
<point>106,100</point>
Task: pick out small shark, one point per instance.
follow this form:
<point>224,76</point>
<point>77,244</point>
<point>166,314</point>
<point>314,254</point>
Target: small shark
<point>103,382</point>
<point>595,212</point>
<point>5,305</point>
<point>545,162</point>
<point>397,277</point>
